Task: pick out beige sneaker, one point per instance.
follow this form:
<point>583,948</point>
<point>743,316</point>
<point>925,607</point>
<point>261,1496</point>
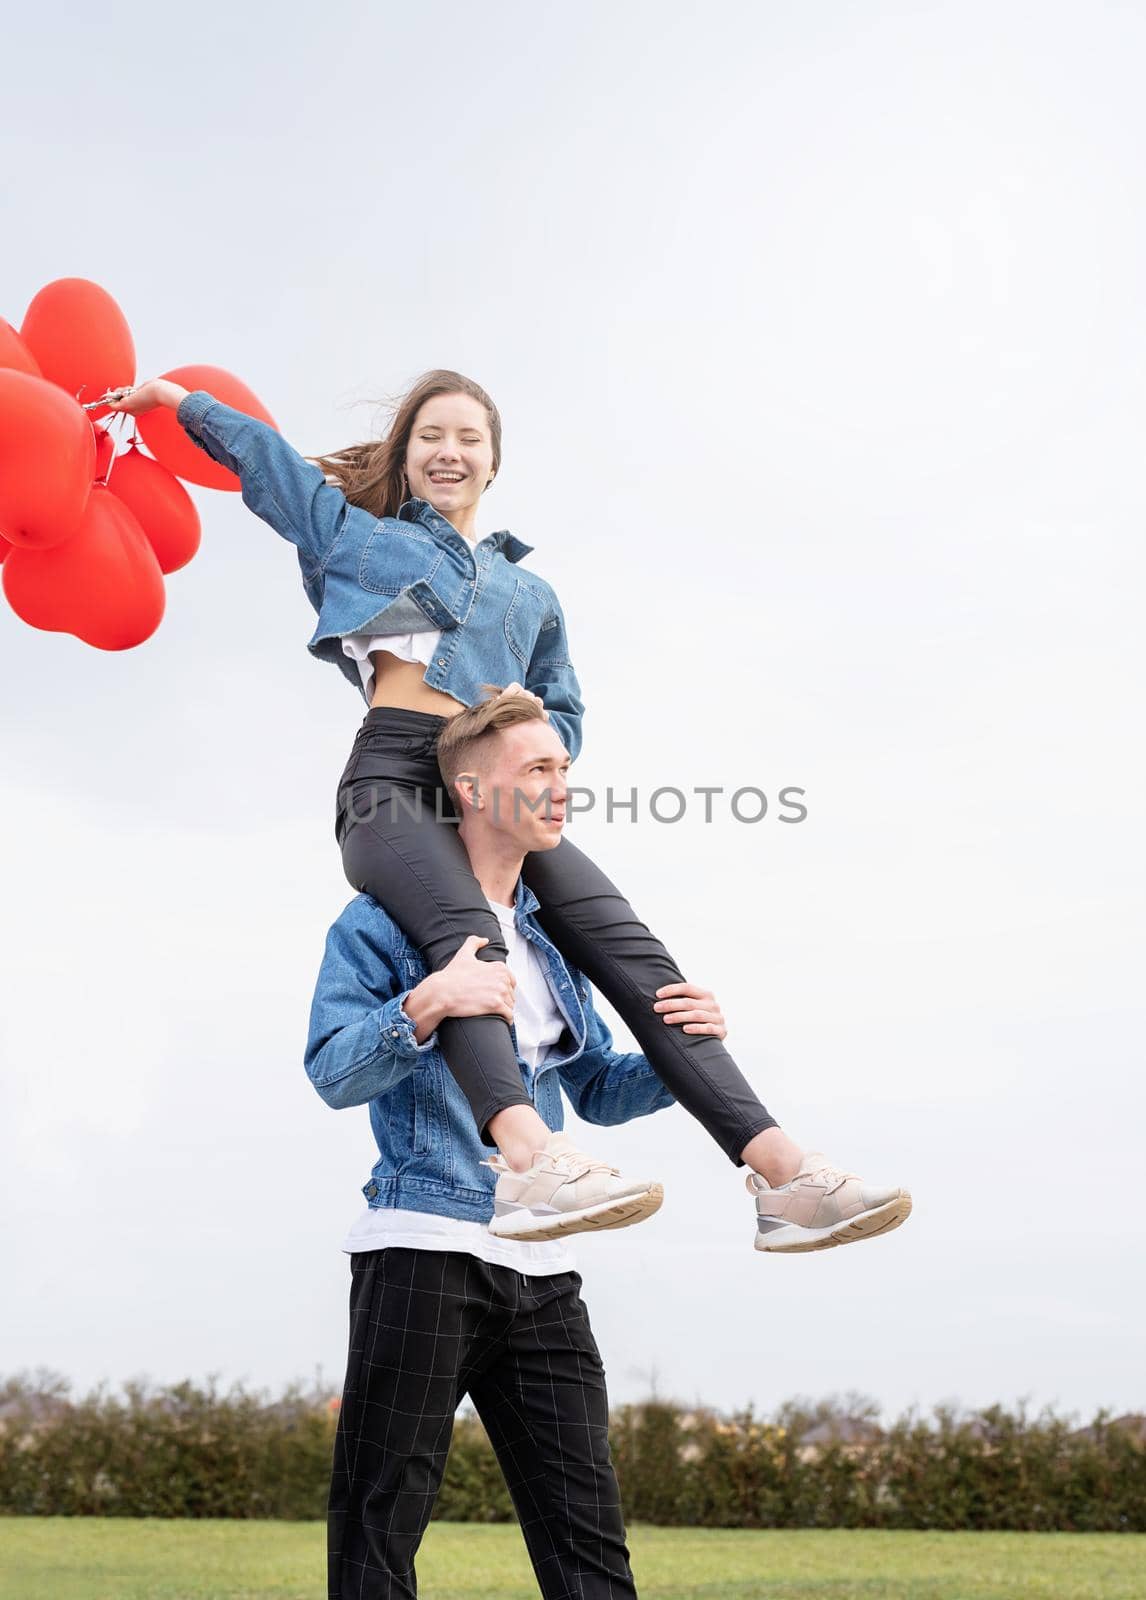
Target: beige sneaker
<point>566,1191</point>
<point>822,1207</point>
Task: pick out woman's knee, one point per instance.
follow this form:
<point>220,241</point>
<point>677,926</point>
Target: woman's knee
<point>441,949</point>
<point>426,887</point>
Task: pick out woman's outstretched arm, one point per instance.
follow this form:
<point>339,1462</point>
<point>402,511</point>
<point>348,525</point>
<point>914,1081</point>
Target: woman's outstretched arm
<point>278,485</point>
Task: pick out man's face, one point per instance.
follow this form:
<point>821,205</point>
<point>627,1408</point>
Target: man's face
<point>523,786</point>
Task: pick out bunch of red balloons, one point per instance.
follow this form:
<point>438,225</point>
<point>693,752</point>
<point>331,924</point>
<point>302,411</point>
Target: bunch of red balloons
<point>87,533</point>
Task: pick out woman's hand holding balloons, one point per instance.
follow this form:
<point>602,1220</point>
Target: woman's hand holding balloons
<point>146,396</point>
<point>86,533</point>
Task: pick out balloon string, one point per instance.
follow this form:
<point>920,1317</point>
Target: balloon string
<point>106,479</point>
<point>119,418</point>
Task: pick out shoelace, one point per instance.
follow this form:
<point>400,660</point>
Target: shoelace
<point>571,1163</point>
<point>831,1176</point>
<point>575,1165</point>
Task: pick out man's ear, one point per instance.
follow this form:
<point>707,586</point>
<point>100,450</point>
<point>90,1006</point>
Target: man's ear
<point>467,791</point>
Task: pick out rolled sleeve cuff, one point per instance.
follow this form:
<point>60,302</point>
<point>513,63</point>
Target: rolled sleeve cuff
<point>568,730</point>
<point>190,411</point>
<point>398,1030</point>
<point>650,1084</point>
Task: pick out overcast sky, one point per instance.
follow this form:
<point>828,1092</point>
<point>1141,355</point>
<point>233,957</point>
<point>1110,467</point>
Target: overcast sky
<point>818,336</point>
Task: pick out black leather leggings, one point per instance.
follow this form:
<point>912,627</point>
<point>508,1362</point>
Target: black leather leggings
<point>416,866</point>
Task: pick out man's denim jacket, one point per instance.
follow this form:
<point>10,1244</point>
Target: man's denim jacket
<point>362,1050</point>
<point>400,574</point>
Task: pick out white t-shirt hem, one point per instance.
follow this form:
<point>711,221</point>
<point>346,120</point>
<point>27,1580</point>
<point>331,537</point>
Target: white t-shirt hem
<point>388,1227</point>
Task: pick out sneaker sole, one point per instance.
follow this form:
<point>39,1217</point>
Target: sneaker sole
<point>622,1213</point>
<point>795,1240</point>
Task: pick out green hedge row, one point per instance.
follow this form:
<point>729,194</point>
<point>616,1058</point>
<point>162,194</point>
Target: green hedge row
<point>189,1451</point>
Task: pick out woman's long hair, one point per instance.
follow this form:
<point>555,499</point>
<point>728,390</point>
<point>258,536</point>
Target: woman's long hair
<point>373,475</point>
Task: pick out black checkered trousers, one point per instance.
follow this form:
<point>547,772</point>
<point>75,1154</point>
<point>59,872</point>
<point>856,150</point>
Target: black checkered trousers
<point>428,1327</point>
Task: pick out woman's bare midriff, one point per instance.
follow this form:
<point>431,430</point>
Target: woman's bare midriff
<point>401,683</point>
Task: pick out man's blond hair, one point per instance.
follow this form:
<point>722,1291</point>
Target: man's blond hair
<point>464,741</point>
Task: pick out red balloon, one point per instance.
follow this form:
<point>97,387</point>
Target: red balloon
<point>104,586</point>
<point>47,461</point>
<point>81,339</point>
<point>161,506</point>
<point>14,352</point>
<point>170,443</point>
<point>5,548</point>
<point>105,453</point>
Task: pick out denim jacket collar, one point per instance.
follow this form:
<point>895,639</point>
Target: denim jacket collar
<point>416,510</point>
<point>569,993</point>
<point>525,902</point>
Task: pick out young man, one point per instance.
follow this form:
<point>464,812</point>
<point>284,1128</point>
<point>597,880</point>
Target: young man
<point>443,1302</point>
<point>446,1301</point>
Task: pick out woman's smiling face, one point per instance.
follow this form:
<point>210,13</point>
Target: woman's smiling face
<point>449,457</point>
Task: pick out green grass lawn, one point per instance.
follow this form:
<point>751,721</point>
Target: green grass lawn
<point>87,1558</point>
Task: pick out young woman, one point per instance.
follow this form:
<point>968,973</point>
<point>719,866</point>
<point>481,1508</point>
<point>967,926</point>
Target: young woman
<point>422,616</point>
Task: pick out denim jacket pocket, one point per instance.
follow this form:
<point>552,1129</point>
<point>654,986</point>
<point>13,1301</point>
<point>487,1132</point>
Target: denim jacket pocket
<point>394,561</point>
<point>524,619</point>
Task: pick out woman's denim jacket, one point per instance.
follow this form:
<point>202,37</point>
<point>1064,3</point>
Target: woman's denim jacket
<point>362,1049</point>
<point>400,574</point>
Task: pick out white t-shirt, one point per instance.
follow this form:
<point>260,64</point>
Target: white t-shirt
<point>418,647</point>
<point>538,1025</point>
